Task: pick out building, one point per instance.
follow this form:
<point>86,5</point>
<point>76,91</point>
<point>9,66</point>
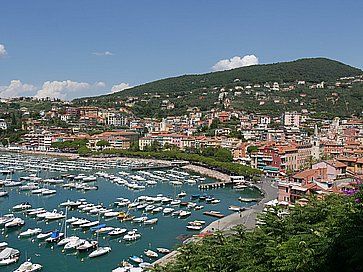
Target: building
<point>292,119</point>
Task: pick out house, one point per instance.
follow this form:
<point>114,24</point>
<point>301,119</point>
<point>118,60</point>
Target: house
<point>335,169</point>
<point>3,125</point>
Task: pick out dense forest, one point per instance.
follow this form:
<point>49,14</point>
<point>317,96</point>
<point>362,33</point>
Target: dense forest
<point>203,91</point>
<point>322,236</point>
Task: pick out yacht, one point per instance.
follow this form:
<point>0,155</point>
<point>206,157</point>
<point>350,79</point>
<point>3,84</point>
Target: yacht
<point>28,267</point>
<point>117,232</point>
<point>22,206</point>
<point>87,246</point>
<point>151,254</point>
<point>151,221</point>
<point>30,232</point>
<point>9,256</point>
<point>132,235</point>
<point>16,222</point>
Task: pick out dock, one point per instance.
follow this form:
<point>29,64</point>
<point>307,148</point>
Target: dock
<point>213,185</point>
<point>214,214</point>
<point>150,167</point>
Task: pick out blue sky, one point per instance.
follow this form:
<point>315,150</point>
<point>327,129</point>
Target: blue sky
<point>64,42</point>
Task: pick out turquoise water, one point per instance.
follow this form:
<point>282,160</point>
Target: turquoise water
<point>168,232</point>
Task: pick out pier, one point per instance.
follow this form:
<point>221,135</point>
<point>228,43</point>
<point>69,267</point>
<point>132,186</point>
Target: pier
<point>213,185</point>
<point>151,167</point>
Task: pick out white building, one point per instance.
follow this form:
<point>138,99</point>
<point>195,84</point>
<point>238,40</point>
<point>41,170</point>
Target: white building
<point>292,119</point>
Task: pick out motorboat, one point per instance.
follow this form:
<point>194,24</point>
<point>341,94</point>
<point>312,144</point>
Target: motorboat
<point>6,219</point>
<point>104,230</point>
<point>151,254</point>
<point>117,232</point>
<point>9,256</point>
<point>4,193</point>
<point>163,250</point>
<point>34,212</point>
<point>100,226</point>
<point>111,214</point>
<point>90,224</point>
<point>3,245</point>
<point>99,252</point>
<point>192,227</point>
<point>136,259</point>
<point>168,210</point>
<point>66,240</point>
<point>151,221</point>
<point>184,214</point>
<point>22,206</point>
<point>42,236</point>
<point>28,267</point>
<point>132,236</point>
<point>30,232</point>
<point>16,222</point>
<point>139,219</point>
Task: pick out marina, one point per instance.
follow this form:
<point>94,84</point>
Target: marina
<point>96,215</point>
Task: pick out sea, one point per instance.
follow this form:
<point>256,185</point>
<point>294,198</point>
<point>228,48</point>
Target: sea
<point>169,232</point>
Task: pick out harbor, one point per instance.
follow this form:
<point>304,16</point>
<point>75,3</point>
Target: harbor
<point>121,216</point>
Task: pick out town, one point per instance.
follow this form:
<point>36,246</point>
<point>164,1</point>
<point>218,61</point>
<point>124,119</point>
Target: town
<point>306,154</point>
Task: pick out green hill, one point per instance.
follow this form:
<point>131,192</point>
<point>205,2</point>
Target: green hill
<point>197,90</point>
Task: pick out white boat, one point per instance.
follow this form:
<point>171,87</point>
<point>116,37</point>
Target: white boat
<point>132,236</point>
<point>117,232</point>
<point>16,222</point>
<point>151,221</point>
<point>4,193</point>
<point>34,212</point>
<point>6,219</point>
<point>66,240</point>
<point>99,252</point>
<point>110,214</point>
<point>42,236</point>
<point>191,227</point>
<point>184,214</point>
<point>87,246</point>
<point>168,210</point>
<point>90,224</point>
<point>47,192</point>
<point>74,244</point>
<point>163,250</point>
<point>28,267</point>
<point>139,219</point>
<point>30,232</point>
<point>22,206</point>
<point>151,254</point>
<point>104,230</point>
<point>9,256</point>
<point>136,259</point>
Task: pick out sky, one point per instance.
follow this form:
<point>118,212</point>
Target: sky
<point>76,48</point>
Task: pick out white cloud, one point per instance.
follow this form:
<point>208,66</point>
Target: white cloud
<point>16,89</point>
<point>120,87</point>
<point>235,62</point>
<point>68,89</point>
<point>2,50</point>
<point>106,53</point>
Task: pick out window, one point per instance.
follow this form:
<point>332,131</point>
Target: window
<point>287,189</point>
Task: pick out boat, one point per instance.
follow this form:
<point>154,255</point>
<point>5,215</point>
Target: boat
<point>104,230</point>
<point>6,219</point>
<point>90,224</point>
<point>3,245</point>
<point>151,221</point>
<point>87,245</point>
<point>194,227</point>
<point>4,193</point>
<point>151,254</point>
<point>139,219</point>
<point>30,232</point>
<point>111,214</point>
<point>136,259</point>
<point>28,267</point>
<point>74,244</point>
<point>99,252</point>
<point>163,250</point>
<point>168,210</point>
<point>42,236</point>
<point>9,256</point>
<point>54,237</point>
<point>100,226</point>
<point>117,232</point>
<point>22,206</point>
<point>242,199</point>
<point>132,235</point>
<point>184,214</point>
<point>182,194</point>
<point>16,222</point>
<point>66,240</point>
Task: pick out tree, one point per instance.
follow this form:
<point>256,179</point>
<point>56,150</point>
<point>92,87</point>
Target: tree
<point>214,124</point>
<point>83,151</point>
<point>251,149</point>
<point>103,143</point>
<point>223,155</point>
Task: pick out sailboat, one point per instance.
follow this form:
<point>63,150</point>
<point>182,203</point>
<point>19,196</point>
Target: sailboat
<point>66,239</point>
<point>99,250</point>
